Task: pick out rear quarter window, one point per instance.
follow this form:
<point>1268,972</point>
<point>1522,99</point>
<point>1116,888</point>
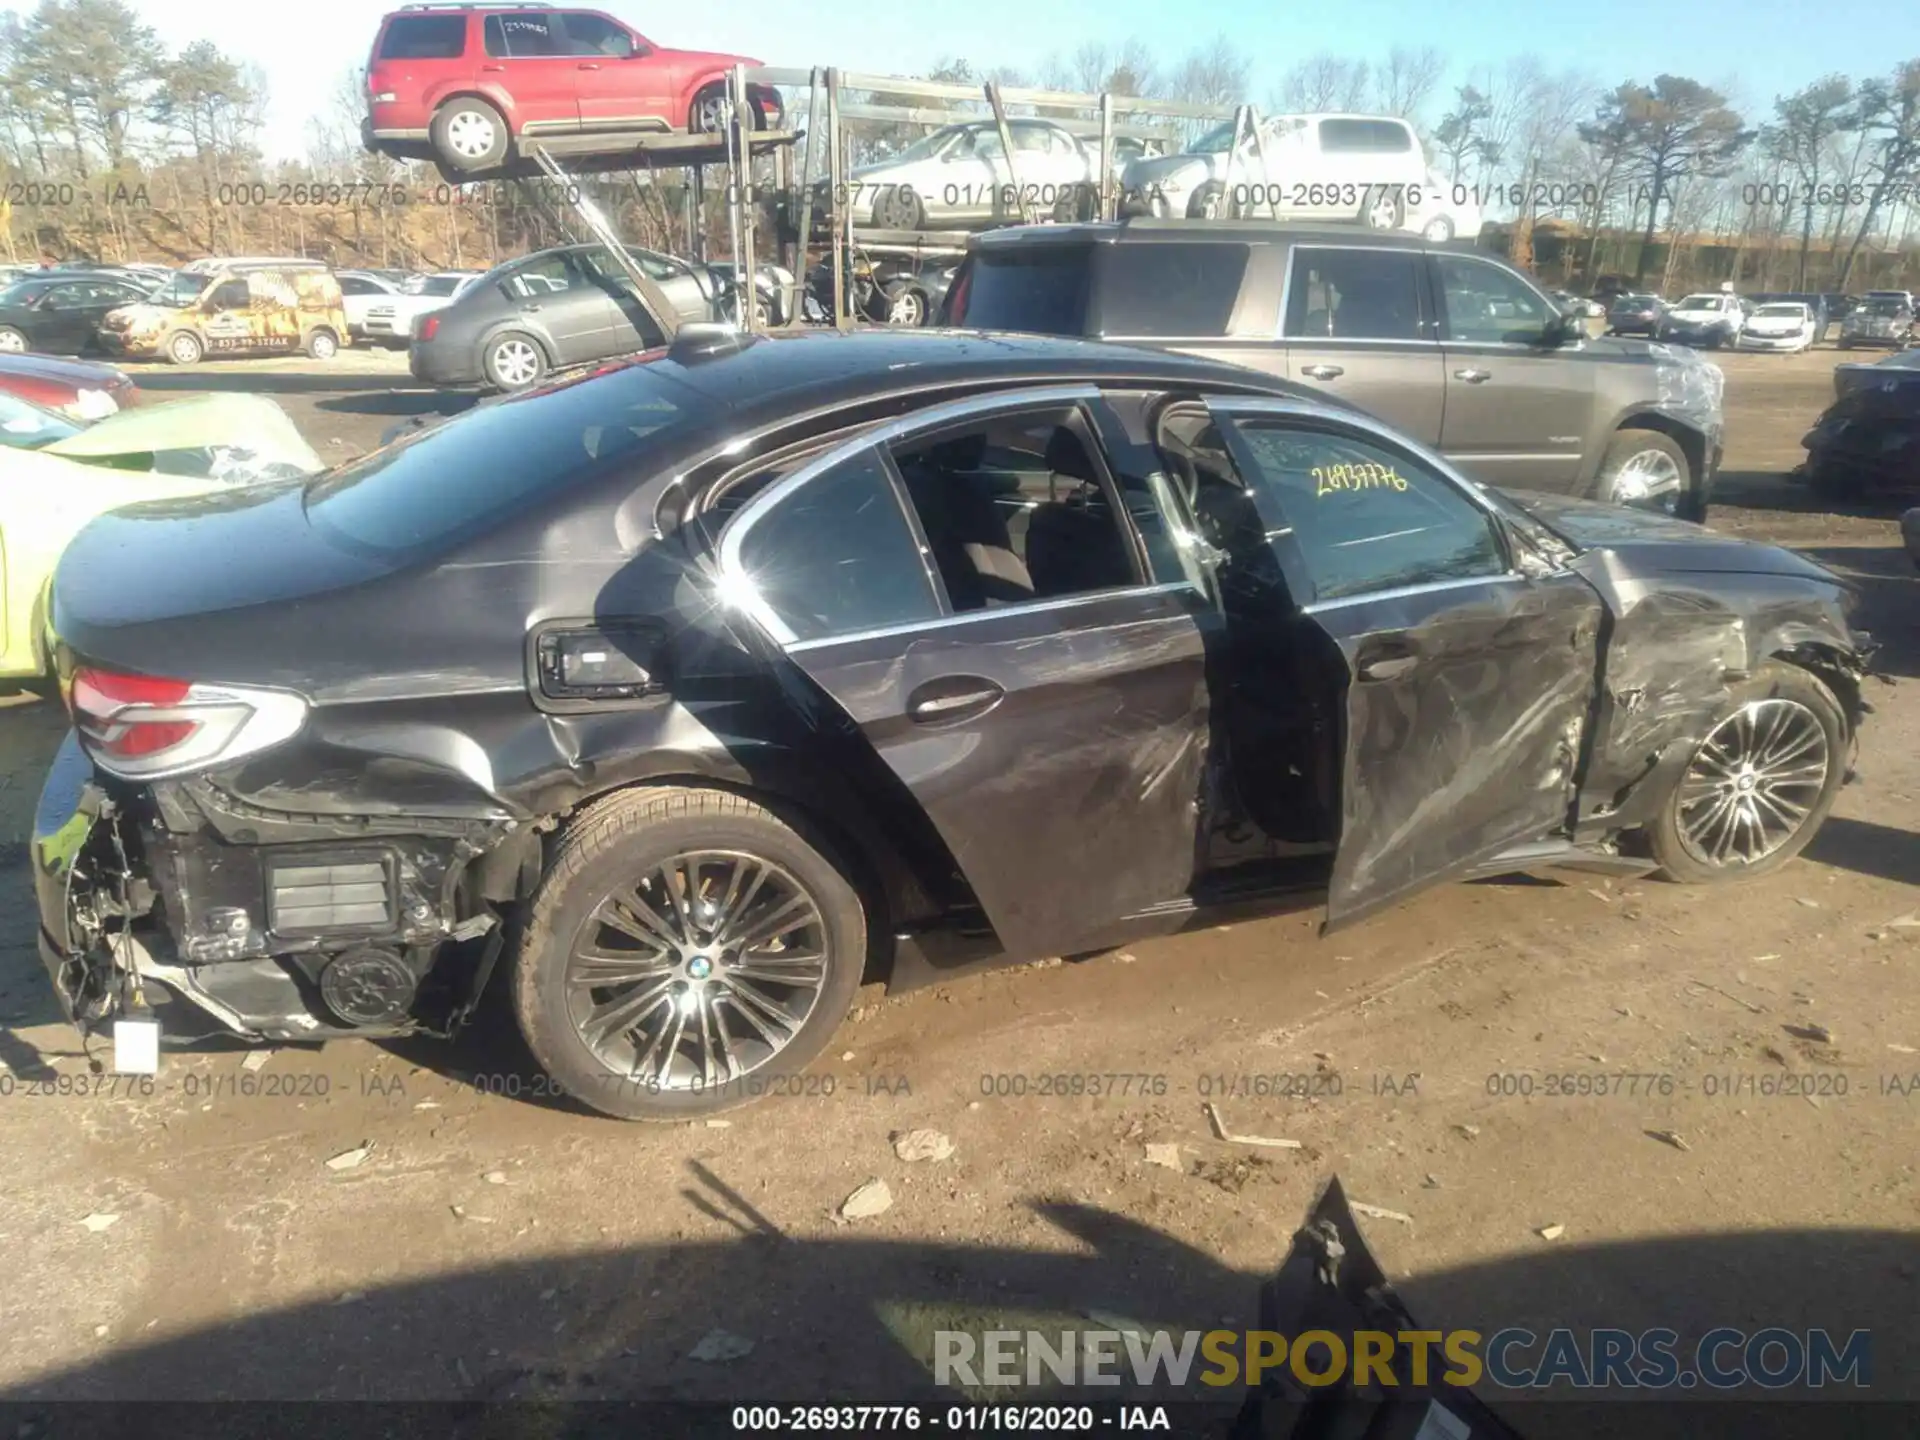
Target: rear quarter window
<point>1037,290</point>
<point>1364,137</point>
<point>1170,290</point>
<point>496,462</point>
<point>424,37</point>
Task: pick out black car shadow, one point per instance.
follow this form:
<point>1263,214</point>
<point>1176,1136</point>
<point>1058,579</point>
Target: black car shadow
<point>1868,849</point>
<point>853,1318</point>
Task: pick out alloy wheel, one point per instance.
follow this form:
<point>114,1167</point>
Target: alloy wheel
<point>1439,230</point>
<point>470,135</point>
<point>515,363</point>
<point>701,973</point>
<point>899,209</point>
<point>1649,480</point>
<point>906,309</point>
<point>12,342</point>
<point>710,114</point>
<point>1753,783</point>
<point>1383,211</point>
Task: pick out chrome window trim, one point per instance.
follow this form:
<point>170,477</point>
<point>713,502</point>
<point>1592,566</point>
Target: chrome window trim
<point>970,617</point>
<point>735,586</point>
<point>1401,592</point>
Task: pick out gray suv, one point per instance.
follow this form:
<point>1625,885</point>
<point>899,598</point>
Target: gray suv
<point>1450,345</point>
<point>553,308</point>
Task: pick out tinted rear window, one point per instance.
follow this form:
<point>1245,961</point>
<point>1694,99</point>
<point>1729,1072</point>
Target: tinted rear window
<point>1170,290</point>
<point>424,37</point>
<point>472,472</point>
<point>1375,137</point>
<point>1039,289</point>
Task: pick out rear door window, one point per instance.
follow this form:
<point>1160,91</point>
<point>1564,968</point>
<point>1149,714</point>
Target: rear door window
<point>838,555</point>
<point>1354,295</point>
<point>1170,290</point>
<point>1364,137</point>
<point>524,37</point>
<point>424,37</point>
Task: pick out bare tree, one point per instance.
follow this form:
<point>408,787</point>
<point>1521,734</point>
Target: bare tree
<point>1887,111</point>
<point>1801,139</point>
<point>1324,82</point>
<point>1407,80</point>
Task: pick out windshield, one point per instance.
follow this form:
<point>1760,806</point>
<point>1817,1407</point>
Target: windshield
<point>1780,312</point>
<point>179,292</point>
<point>1699,302</point>
<point>1214,142</point>
<point>456,479</point>
<point>1883,305</point>
<point>25,426</point>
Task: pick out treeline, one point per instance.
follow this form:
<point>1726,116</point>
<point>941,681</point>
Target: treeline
<point>113,148</point>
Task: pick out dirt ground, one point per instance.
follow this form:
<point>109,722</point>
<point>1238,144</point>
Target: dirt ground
<point>493,1244</point>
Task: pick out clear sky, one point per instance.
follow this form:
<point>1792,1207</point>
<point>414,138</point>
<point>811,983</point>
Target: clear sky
<point>1759,47</point>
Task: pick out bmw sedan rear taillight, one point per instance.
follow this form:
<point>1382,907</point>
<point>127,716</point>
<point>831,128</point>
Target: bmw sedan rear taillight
<point>140,727</point>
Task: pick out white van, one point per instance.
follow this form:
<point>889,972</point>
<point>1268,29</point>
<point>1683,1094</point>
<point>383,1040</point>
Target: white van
<point>1369,168</point>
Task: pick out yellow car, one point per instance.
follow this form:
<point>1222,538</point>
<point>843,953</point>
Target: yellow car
<point>56,475</point>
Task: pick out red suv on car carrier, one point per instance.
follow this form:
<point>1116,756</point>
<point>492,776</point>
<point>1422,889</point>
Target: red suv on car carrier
<point>467,85</point>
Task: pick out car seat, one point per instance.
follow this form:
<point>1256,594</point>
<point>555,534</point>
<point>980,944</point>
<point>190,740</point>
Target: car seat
<point>965,528</point>
<point>1073,544</point>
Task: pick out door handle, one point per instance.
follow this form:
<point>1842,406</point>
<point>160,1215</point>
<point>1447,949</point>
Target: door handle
<point>529,309</point>
<point>1473,377</point>
<point>589,67</point>
<point>953,698</point>
<point>496,69</point>
<point>1322,372</point>
<point>1387,667</point>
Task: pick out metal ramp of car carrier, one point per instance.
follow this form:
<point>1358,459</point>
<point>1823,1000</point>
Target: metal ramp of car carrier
<point>738,146</point>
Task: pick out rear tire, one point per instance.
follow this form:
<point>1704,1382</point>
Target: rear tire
<point>183,347</point>
<point>1209,202</point>
<point>469,134</point>
<point>1792,716</point>
<point>513,361</point>
<point>322,345</point>
<point>1383,208</point>
<point>624,846</point>
<point>12,342</point>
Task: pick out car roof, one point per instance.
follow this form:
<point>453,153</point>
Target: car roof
<point>1218,232</point>
<point>791,374</point>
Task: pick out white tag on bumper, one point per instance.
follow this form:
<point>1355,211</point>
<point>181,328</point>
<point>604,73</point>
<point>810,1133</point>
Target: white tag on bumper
<point>136,1047</point>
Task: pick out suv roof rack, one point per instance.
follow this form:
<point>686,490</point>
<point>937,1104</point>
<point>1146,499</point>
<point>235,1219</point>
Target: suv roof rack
<point>480,5</point>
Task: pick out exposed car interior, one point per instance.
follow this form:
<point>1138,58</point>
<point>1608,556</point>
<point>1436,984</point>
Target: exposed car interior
<point>1014,509</point>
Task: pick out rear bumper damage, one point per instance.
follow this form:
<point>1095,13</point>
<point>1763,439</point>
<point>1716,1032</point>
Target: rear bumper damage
<point>147,909</point>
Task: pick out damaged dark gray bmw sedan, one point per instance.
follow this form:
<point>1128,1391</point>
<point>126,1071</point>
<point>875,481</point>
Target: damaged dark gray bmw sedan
<point>684,694</point>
